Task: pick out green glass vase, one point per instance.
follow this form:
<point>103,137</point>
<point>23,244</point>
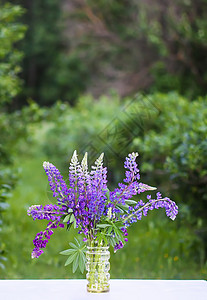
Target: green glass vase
<point>97,266</point>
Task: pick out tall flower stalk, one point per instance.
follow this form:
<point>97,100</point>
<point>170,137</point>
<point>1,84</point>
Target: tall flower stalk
<point>100,215</point>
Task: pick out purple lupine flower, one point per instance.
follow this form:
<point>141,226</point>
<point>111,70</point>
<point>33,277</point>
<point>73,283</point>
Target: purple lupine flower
<point>41,240</point>
<point>132,186</point>
<point>48,212</point>
<point>141,209</point>
<point>56,182</point>
<point>87,201</point>
<point>118,246</point>
<point>131,165</point>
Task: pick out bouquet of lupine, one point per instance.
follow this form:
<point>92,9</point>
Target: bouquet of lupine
<point>100,215</point>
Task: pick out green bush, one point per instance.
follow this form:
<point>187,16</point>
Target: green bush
<point>103,45</point>
<point>51,71</point>
<point>177,32</point>
<point>11,31</point>
<point>68,128</point>
<point>174,144</point>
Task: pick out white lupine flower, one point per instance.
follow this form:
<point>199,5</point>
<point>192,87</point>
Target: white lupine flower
<point>46,165</point>
<point>84,163</point>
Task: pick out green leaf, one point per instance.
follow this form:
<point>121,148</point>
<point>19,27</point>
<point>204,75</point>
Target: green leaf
<point>68,226</point>
<point>103,225</point>
<point>117,224</point>
<point>112,241</point>
<point>107,194</point>
<point>74,223</point>
<point>147,187</point>
<point>105,239</point>
<point>67,252</point>
<point>131,201</point>
<point>123,207</point>
<point>118,233</point>
<point>73,220</point>
<point>120,209</point>
<point>66,219</point>
<point>109,230</point>
<point>81,263</point>
<point>76,262</point>
<point>83,256</point>
<point>78,243</point>
<point>73,245</point>
<point>70,259</point>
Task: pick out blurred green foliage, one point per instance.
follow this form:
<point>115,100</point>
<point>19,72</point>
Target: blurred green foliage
<point>76,127</point>
<point>13,125</point>
<point>177,30</point>
<point>175,146</point>
<point>79,46</point>
<point>49,72</point>
<point>11,31</point>
<point>179,141</point>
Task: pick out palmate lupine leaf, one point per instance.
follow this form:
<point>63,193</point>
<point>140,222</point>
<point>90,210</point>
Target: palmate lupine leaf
<point>76,255</point>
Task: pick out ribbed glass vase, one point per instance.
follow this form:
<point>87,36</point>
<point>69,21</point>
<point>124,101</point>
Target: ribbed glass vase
<point>97,265</point>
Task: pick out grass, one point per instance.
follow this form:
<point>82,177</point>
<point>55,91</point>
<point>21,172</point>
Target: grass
<point>157,247</point>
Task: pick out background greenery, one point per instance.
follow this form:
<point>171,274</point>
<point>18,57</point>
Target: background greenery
<point>130,76</point>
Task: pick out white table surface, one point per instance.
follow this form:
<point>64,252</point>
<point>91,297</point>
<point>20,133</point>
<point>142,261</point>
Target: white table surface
<point>119,290</point>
